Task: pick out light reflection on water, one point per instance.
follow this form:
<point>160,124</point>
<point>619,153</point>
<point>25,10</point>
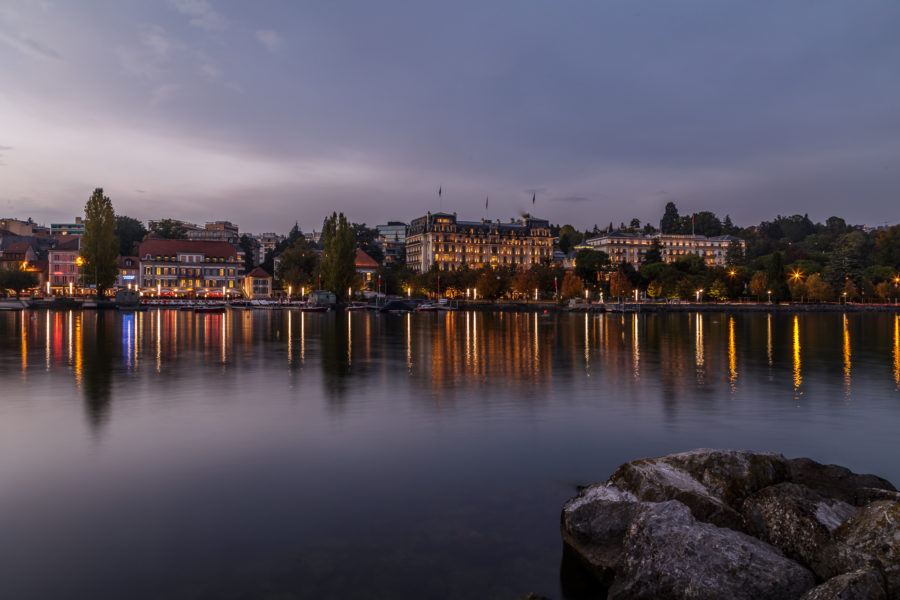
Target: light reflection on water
<point>260,452</point>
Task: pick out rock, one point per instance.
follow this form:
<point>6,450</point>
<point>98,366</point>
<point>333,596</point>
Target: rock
<point>870,539</point>
<point>867,584</point>
<point>835,481</point>
<point>594,524</point>
<point>798,521</point>
<point>712,483</point>
<point>668,554</point>
<point>867,495</point>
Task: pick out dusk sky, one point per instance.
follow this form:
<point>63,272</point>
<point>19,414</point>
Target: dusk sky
<point>266,113</point>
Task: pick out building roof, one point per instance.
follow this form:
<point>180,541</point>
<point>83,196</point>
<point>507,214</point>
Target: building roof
<point>68,243</point>
<point>258,273</point>
<point>210,249</point>
<point>17,248</point>
<point>122,260</point>
<point>364,261</point>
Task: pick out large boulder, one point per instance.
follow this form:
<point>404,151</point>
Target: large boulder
<point>870,539</point>
<point>669,555</point>
<point>835,481</point>
<point>594,524</point>
<point>798,521</point>
<point>867,584</point>
<point>712,483</point>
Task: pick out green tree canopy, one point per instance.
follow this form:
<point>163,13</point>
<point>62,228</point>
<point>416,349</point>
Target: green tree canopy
<point>670,220</point>
<point>168,229</point>
<point>298,265</point>
<point>17,280</point>
<point>568,238</point>
<point>130,232</point>
<point>589,264</point>
<point>339,261</point>
<point>99,245</point>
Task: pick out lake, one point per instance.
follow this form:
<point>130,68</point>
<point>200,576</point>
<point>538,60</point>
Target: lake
<point>280,455</point>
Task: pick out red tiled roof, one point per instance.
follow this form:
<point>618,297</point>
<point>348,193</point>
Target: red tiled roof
<point>172,247</point>
<point>258,273</point>
<point>364,261</point>
<point>17,248</point>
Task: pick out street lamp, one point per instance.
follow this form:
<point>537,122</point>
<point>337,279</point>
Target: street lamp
<point>535,294</point>
<point>700,291</point>
<point>770,296</point>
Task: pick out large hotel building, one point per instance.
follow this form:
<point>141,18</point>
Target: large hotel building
<point>440,239</point>
<point>631,248</point>
<point>185,266</point>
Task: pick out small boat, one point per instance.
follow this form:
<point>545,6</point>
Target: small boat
<point>426,307</point>
<point>209,309</point>
<point>314,309</point>
<point>13,304</point>
<point>356,307</point>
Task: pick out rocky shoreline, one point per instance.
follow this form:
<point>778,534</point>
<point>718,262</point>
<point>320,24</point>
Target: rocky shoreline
<point>710,524</point>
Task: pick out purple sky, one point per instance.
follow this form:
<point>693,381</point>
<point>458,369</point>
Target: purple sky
<point>267,113</point>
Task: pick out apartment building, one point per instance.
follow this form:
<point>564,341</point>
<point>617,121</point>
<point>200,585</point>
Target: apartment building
<point>189,266</point>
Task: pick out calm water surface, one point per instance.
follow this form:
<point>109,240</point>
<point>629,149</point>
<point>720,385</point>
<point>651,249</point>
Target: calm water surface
<point>280,455</point>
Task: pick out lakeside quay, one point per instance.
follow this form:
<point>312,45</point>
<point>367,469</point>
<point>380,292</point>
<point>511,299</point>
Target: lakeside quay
<point>653,307</point>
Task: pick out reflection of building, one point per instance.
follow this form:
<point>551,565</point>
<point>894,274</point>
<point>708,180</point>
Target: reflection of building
<point>392,239</point>
<point>128,272</point>
<point>365,265</point>
<point>189,266</point>
<point>440,239</point>
<point>631,248</point>
<point>76,228</point>
<point>257,284</point>
<point>63,267</point>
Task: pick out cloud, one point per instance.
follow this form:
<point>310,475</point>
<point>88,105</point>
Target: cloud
<point>270,39</point>
<point>30,47</point>
<point>574,199</point>
<point>6,148</point>
<point>202,14</point>
<point>163,93</point>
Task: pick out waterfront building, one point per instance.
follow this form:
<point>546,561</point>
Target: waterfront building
<point>17,255</point>
<point>257,284</point>
<point>441,240</point>
<point>76,228</point>
<point>63,259</point>
<point>189,266</point>
<point>128,272</point>
<point>17,227</point>
<point>365,266</point>
<point>218,231</point>
<point>392,239</point>
<point>632,248</point>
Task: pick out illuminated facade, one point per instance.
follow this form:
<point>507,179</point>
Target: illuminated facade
<point>190,266</point>
<point>632,248</point>
<point>63,263</point>
<point>441,240</point>
<point>257,284</point>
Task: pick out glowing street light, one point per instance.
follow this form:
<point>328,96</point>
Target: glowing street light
<point>700,291</point>
<point>535,294</point>
<point>769,292</point>
<point>408,293</point>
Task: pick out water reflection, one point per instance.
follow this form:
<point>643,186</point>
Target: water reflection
<point>897,351</point>
<point>699,359</point>
<point>846,355</point>
<point>798,376</point>
<point>732,356</point>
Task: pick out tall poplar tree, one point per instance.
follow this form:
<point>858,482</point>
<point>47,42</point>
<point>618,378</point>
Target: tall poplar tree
<point>99,245</point>
<point>339,261</point>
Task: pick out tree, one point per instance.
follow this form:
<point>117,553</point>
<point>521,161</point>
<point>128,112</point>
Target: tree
<point>572,287</point>
<point>619,285</point>
<point>568,238</point>
<point>706,223</point>
<point>654,254</point>
<point>670,220</point>
<point>367,241</point>
<point>589,264</point>
<point>250,247</point>
<point>655,289</point>
<point>888,244</point>
<point>718,290</point>
<point>758,284</point>
<point>168,229</point>
<point>734,254</point>
<point>850,291</point>
<point>817,289</point>
<point>298,264</point>
<point>99,245</point>
<point>339,255</point>
<point>17,280</point>
<point>777,278</point>
<point>130,232</point>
